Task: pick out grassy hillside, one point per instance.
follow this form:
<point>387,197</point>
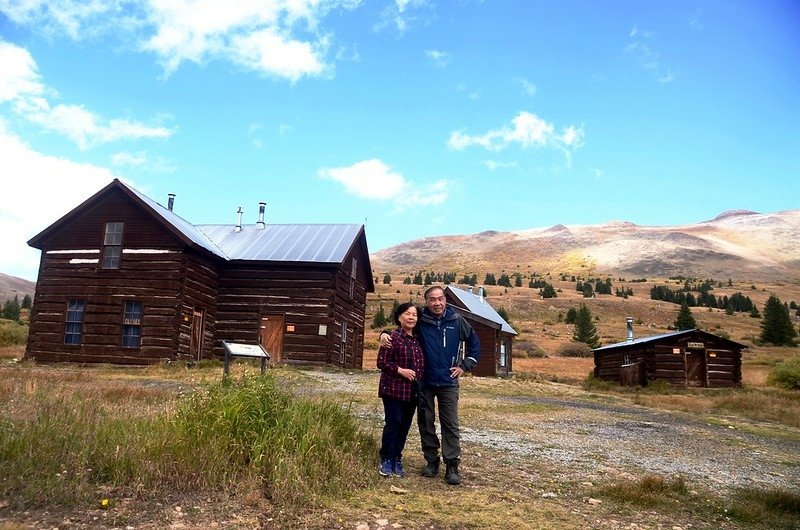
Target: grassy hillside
<point>537,320</point>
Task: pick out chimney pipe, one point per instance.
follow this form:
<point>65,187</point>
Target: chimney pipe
<point>238,227</point>
<point>630,329</point>
<point>260,224</point>
<point>481,292</point>
<point>170,201</point>
<point>469,289</point>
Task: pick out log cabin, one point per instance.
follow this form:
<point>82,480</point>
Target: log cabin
<point>689,358</point>
<point>495,334</point>
<point>123,279</point>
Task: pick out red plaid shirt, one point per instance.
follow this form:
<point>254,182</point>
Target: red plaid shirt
<point>405,352</point>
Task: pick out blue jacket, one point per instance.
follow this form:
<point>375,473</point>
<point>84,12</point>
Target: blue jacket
<point>440,339</point>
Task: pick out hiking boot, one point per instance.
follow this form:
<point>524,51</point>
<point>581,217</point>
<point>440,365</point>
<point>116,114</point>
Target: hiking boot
<point>386,468</point>
<point>431,469</point>
<point>398,468</point>
<point>451,473</point>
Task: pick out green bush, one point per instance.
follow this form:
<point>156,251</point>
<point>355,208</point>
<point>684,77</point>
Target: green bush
<point>73,444</point>
<point>574,349</point>
<point>12,333</point>
<point>786,374</point>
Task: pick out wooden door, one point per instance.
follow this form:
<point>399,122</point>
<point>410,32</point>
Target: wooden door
<point>696,368</point>
<point>196,346</point>
<point>272,336</point>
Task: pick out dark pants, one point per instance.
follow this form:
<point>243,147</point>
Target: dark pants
<point>447,396</point>
<point>397,417</point>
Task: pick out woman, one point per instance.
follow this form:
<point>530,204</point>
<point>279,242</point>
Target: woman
<point>401,366</point>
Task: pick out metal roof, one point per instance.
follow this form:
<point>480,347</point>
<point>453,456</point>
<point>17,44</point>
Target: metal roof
<point>185,227</point>
<point>477,304</point>
<point>314,243</point>
<point>653,338</point>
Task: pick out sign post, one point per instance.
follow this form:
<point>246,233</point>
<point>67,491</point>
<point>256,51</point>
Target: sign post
<point>238,349</point>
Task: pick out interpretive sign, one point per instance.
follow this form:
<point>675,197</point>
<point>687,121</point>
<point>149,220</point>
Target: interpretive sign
<point>239,349</point>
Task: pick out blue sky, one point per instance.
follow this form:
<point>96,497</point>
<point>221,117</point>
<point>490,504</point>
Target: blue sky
<point>423,118</point>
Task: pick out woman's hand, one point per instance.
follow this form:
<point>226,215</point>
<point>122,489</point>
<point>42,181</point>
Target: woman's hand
<point>408,373</point>
<point>386,340</point>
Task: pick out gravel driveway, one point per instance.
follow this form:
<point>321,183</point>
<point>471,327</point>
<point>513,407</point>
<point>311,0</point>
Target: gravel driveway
<point>584,439</point>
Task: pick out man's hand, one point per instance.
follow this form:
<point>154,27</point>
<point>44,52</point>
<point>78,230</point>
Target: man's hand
<point>408,373</point>
<point>386,340</point>
<point>455,372</point>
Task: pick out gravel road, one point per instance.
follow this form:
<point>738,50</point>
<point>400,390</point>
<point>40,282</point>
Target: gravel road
<point>584,439</point>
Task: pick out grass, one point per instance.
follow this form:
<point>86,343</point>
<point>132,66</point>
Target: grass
<point>648,491</point>
<point>69,440</point>
<point>772,508</point>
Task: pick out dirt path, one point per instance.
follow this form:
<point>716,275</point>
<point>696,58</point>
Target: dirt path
<point>583,438</point>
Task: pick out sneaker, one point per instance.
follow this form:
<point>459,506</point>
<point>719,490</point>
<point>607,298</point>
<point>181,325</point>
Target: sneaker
<point>386,468</point>
<point>398,468</point>
<point>451,474</point>
<point>431,469</point>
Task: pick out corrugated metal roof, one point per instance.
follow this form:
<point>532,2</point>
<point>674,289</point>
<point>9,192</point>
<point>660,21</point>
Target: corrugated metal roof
<point>477,304</point>
<point>645,340</point>
<point>184,226</point>
<point>314,243</point>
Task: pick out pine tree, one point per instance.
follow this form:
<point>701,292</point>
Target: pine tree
<point>387,279</point>
<point>11,309</point>
<point>517,280</point>
<point>27,302</point>
<point>572,314</point>
<point>585,330</point>
<point>685,319</point>
<point>489,280</point>
<point>379,320</point>
<point>776,326</point>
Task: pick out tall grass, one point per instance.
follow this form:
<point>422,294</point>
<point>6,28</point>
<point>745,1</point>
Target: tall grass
<point>63,443</point>
<point>648,491</point>
<point>12,333</point>
<point>774,508</point>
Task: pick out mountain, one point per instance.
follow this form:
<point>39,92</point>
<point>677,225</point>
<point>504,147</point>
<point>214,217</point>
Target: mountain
<point>737,244</point>
<point>11,286</point>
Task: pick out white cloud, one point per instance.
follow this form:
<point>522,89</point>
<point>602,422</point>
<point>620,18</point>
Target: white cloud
<point>526,130</point>
<point>493,165</point>
<point>272,37</point>
<point>44,188</point>
<point>123,158</point>
<point>20,85</point>
<point>374,179</point>
<point>141,160</point>
<point>527,87</point>
<point>401,14</point>
<point>647,57</point>
<point>439,58</point>
<point>18,75</point>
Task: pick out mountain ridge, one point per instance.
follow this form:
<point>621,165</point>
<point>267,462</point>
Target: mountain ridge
<point>736,243</point>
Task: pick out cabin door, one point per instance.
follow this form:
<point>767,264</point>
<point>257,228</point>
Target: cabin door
<point>271,337</point>
<point>197,334</point>
<point>696,368</point>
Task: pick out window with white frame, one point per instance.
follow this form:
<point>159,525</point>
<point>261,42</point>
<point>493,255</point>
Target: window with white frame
<point>112,244</point>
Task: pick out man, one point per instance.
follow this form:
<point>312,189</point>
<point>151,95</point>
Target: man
<point>441,331</point>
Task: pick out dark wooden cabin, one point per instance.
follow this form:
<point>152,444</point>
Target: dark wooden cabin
<point>691,358</point>
<point>495,334</point>
<point>123,279</point>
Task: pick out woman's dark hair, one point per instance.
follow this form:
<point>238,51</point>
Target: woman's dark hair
<point>402,308</point>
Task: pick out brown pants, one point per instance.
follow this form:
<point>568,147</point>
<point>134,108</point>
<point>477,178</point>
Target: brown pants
<point>447,396</point>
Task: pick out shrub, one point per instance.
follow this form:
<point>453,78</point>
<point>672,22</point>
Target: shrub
<point>12,333</point>
<point>526,348</point>
<point>574,349</point>
<point>787,374</point>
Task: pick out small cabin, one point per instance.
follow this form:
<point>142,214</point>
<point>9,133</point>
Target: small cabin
<point>495,334</point>
<point>126,280</point>
<point>689,358</point>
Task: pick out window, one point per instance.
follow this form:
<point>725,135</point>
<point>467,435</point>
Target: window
<point>503,354</point>
<point>353,275</point>
<point>112,245</point>
<point>74,328</point>
<point>132,325</point>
